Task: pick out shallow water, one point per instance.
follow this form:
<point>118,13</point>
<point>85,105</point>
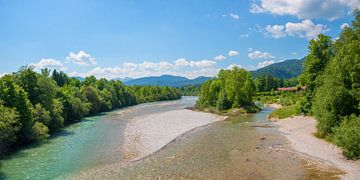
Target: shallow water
<point>231,149</point>
<point>94,141</point>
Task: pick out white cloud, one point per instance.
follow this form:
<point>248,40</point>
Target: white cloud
<point>47,63</point>
<point>81,58</point>
<point>344,25</point>
<point>197,64</point>
<point>276,31</point>
<point>305,29</point>
<point>265,63</point>
<point>233,53</point>
<point>181,67</point>
<point>220,57</point>
<point>234,16</point>
<point>306,9</point>
<point>260,55</point>
<point>231,66</point>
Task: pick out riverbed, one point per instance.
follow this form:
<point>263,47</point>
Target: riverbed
<point>246,147</point>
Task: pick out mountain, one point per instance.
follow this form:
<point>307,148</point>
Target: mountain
<point>286,69</point>
<point>167,80</point>
<point>125,79</point>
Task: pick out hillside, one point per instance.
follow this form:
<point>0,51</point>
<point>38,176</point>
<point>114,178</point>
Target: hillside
<point>286,69</point>
<point>167,80</point>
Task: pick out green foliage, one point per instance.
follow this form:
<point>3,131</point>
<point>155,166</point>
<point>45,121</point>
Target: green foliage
<point>320,53</point>
<point>42,115</point>
<point>332,82</point>
<point>13,96</point>
<point>285,112</point>
<point>9,126</point>
<point>40,131</point>
<point>34,105</point>
<point>347,136</point>
<point>232,89</point>
<point>190,90</point>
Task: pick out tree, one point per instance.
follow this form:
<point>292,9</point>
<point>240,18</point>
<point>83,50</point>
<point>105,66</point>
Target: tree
<point>15,97</point>
<point>232,89</point>
<point>42,115</point>
<point>9,127</point>
<point>320,53</point>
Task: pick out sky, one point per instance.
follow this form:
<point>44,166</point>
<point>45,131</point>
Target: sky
<point>137,38</point>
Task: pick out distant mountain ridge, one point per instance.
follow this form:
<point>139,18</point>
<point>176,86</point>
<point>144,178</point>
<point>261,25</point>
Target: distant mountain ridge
<point>167,80</point>
<point>287,69</point>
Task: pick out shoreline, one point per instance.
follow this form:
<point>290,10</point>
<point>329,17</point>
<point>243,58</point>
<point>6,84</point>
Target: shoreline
<point>299,131</point>
<point>138,128</point>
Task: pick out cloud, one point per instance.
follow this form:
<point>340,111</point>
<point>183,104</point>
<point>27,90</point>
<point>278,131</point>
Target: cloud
<point>181,67</point>
<point>260,55</point>
<point>48,63</point>
<point>197,64</point>
<point>265,63</point>
<point>234,16</point>
<point>306,9</point>
<point>220,57</point>
<point>276,31</point>
<point>305,29</point>
<point>344,25</point>
<point>81,58</point>
<point>233,53</point>
<point>231,66</point>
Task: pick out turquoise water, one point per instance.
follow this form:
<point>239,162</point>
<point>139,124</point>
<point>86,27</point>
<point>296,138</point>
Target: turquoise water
<point>92,142</point>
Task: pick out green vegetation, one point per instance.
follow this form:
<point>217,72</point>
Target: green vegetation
<point>267,83</point>
<point>231,89</point>
<point>33,105</point>
<point>285,112</point>
<point>190,90</point>
<point>347,136</point>
<point>332,79</point>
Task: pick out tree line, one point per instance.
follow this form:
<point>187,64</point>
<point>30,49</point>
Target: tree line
<point>34,105</point>
<point>332,79</point>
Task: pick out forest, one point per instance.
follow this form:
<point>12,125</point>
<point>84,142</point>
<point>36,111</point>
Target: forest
<point>33,105</point>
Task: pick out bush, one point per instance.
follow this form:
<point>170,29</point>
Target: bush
<point>40,131</point>
<point>347,136</point>
<point>285,112</point>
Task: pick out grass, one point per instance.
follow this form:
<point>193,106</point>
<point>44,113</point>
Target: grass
<point>285,112</point>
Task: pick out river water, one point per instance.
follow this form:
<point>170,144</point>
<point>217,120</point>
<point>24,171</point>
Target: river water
<point>230,149</point>
<point>92,142</point>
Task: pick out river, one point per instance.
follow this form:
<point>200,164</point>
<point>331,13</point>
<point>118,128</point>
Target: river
<point>233,148</point>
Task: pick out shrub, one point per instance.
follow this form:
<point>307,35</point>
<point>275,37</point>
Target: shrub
<point>347,136</point>
<point>40,131</point>
<point>285,112</point>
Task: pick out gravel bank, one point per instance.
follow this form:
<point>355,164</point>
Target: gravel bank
<point>300,130</point>
<point>145,135</point>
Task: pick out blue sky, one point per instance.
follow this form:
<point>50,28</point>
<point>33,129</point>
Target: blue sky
<point>133,38</point>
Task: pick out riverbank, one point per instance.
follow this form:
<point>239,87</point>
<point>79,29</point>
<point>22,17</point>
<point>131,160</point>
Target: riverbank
<point>145,135</point>
<point>299,131</point>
